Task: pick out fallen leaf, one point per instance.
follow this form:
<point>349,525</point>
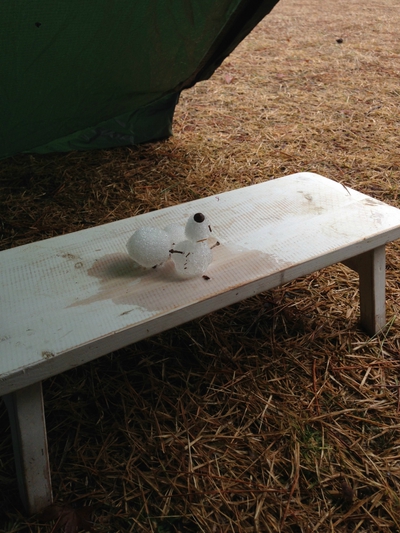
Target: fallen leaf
<point>347,492</point>
<point>228,78</point>
<point>69,519</point>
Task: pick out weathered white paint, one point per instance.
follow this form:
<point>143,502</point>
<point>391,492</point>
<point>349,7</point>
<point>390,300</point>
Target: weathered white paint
<point>28,427</point>
<point>371,270</point>
<point>67,300</point>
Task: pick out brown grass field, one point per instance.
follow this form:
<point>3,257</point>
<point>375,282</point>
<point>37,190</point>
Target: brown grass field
<point>277,414</point>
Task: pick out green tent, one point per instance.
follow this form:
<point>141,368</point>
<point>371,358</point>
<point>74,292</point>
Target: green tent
<point>100,73</point>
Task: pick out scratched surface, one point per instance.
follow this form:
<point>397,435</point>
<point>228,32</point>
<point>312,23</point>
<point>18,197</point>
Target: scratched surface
<point>82,290</point>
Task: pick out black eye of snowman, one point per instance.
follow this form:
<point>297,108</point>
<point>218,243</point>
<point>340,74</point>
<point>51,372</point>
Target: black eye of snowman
<point>199,217</point>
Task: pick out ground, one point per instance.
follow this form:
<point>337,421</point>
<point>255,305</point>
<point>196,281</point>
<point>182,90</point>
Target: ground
<point>277,414</point>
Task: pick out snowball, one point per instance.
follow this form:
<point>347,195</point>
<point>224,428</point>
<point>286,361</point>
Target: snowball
<point>197,228</point>
<point>149,246</point>
<point>176,233</point>
<point>191,258</point>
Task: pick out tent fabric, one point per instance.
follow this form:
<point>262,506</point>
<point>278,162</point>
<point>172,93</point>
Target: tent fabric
<point>102,73</point>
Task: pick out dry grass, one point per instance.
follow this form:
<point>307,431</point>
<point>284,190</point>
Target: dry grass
<point>274,415</point>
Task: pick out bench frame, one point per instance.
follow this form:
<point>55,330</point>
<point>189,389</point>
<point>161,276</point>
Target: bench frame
<point>26,408</point>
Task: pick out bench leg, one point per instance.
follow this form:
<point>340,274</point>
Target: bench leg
<point>28,428</point>
<point>371,269</point>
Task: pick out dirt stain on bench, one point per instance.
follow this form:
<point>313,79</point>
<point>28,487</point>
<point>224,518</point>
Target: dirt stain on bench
<point>126,283</point>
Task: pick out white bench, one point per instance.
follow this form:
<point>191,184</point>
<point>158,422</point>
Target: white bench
<point>70,299</point>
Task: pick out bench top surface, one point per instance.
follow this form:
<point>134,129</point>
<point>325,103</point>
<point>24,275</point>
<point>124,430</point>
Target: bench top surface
<point>69,299</point>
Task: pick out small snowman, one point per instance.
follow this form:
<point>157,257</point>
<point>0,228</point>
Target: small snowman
<point>187,246</point>
<point>192,256</point>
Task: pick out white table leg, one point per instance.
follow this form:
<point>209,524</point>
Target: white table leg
<point>28,428</point>
<point>371,269</point>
